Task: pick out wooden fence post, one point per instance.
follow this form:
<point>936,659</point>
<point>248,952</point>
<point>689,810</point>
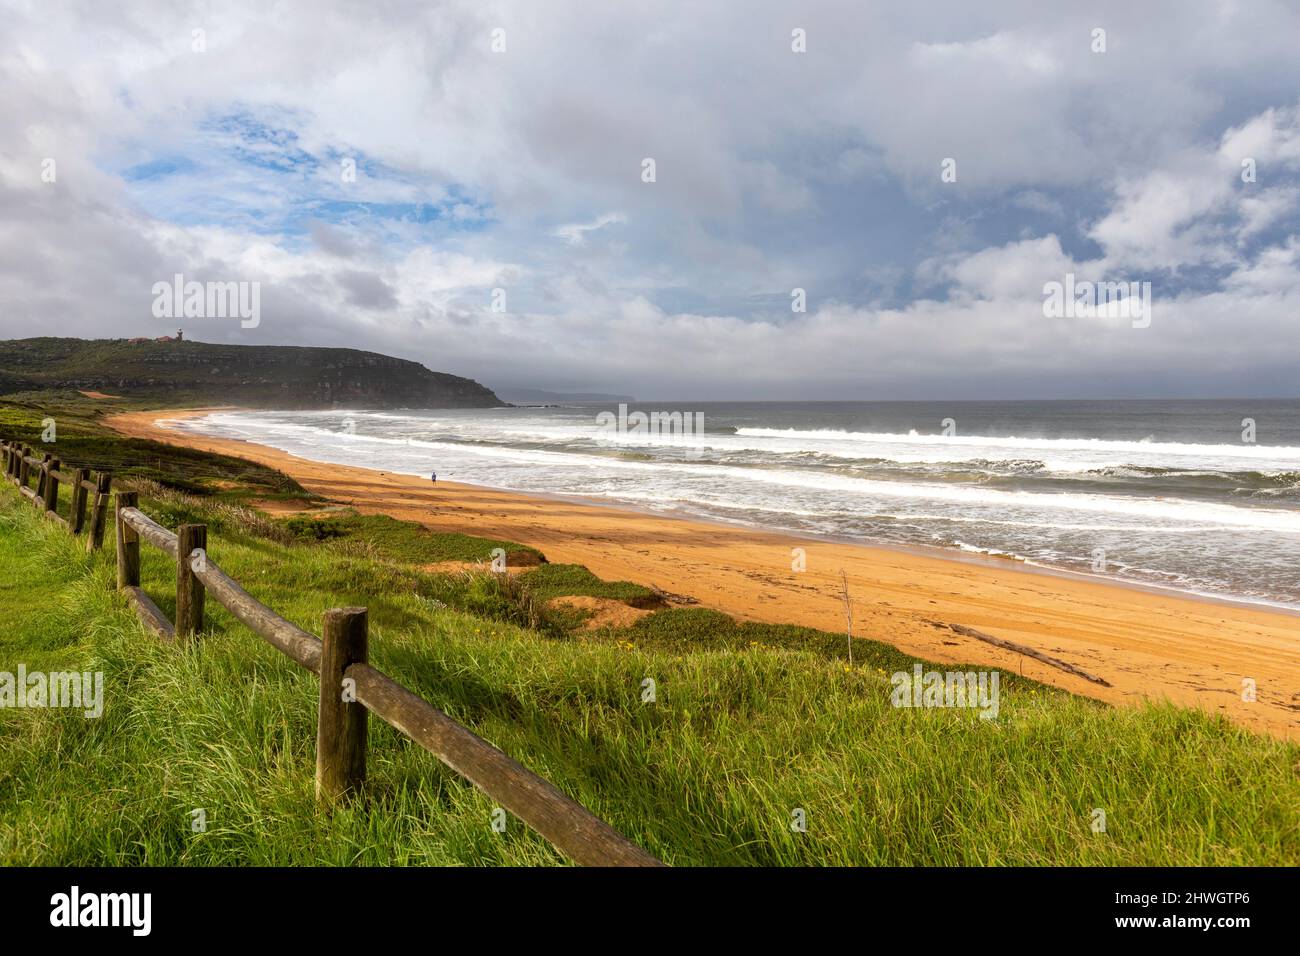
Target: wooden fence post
<point>99,514</point>
<point>77,507</point>
<point>341,722</point>
<point>42,481</point>
<point>52,486</point>
<point>128,544</point>
<point>189,589</point>
<point>23,466</point>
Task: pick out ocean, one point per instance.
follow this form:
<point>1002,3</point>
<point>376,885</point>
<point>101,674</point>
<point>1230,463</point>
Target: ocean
<point>1197,496</point>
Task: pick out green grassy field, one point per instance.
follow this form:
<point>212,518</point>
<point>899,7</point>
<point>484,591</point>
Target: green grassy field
<point>82,441</point>
<point>750,723</point>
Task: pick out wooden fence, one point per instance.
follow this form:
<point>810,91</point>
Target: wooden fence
<point>21,464</point>
<point>350,688</point>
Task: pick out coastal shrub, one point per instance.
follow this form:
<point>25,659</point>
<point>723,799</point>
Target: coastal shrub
<point>315,527</point>
<point>405,541</point>
<point>501,597</point>
<point>563,580</point>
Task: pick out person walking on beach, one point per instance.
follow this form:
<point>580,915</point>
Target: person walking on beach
<point>434,476</point>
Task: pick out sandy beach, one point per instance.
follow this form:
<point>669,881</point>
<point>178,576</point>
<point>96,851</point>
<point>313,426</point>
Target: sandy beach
<point>1146,644</point>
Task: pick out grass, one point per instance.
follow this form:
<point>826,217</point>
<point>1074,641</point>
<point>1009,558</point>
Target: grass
<point>80,440</point>
<point>559,580</point>
<point>405,541</point>
<point>749,722</point>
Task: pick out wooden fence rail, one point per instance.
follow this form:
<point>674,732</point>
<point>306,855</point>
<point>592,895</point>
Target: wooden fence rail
<point>350,688</point>
<point>21,463</point>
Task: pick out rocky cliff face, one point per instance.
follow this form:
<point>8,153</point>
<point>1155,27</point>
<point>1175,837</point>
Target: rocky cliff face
<point>266,376</point>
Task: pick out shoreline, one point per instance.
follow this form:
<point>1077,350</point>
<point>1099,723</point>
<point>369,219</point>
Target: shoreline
<point>1120,631</point>
<point>994,561</point>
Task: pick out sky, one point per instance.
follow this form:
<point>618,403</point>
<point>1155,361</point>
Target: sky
<point>467,185</point>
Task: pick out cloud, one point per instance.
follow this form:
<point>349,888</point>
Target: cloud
<point>776,170</point>
<point>366,290</point>
<point>332,240</point>
<point>575,233</point>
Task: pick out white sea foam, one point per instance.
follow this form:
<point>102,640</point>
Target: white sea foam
<point>1244,450</point>
<point>1060,455</point>
<point>1197,515</point>
<point>687,481</point>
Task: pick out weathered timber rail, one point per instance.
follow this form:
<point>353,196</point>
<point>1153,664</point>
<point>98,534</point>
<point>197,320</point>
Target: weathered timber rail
<point>21,464</point>
<point>350,688</point>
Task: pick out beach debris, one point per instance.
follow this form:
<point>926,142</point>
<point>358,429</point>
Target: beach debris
<point>1021,649</point>
<point>669,598</point>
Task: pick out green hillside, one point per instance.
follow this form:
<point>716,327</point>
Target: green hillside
<point>258,376</point>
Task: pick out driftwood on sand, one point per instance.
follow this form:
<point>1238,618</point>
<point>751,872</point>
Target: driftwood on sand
<point>1021,649</point>
<point>668,597</point>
